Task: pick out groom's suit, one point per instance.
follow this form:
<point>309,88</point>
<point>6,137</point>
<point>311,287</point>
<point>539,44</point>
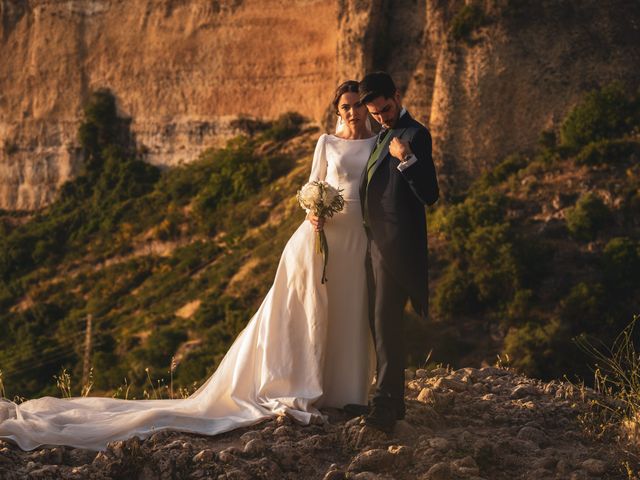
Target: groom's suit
<point>392,204</point>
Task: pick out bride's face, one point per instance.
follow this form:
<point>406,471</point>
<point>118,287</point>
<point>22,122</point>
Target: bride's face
<point>353,112</point>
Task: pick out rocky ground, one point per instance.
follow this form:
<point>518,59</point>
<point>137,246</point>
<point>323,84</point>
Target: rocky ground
<point>489,423</point>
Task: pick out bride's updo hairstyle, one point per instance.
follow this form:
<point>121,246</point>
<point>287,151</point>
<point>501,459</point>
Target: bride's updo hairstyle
<point>348,86</point>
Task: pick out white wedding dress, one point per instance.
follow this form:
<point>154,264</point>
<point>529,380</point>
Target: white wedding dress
<point>308,346</point>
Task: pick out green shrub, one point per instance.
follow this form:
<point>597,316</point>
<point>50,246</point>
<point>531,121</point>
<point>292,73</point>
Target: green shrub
<point>582,309</point>
<point>100,128</point>
<point>604,114</point>
<point>285,126</point>
<point>621,265</point>
<point>492,264</point>
<point>484,271</point>
<point>608,152</point>
<point>588,217</point>
<point>466,20</point>
<point>519,311</point>
<point>162,345</point>
<point>541,350</point>
<point>479,210</point>
<point>509,166</point>
<point>455,293</point>
<point>501,172</point>
<point>547,139</point>
<point>236,173</point>
<point>631,206</point>
<point>6,296</point>
<point>249,126</point>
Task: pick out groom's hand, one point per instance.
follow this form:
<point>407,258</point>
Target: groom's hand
<point>400,149</point>
<point>317,222</point>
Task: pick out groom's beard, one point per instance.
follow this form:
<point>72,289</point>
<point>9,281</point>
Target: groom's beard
<point>392,123</point>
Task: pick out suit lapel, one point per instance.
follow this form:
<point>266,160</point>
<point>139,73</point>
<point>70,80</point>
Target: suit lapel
<point>384,153</point>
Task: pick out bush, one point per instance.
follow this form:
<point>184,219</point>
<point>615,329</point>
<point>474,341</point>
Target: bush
<point>484,271</point>
<point>162,345</point>
<point>547,139</point>
<point>492,264</point>
<point>536,349</point>
<point>248,126</point>
<point>608,152</point>
<point>466,20</point>
<point>483,209</point>
<point>519,310</point>
<point>501,172</point>
<point>236,173</point>
<point>621,264</point>
<point>286,126</point>
<point>455,293</point>
<point>604,114</point>
<point>582,309</point>
<point>588,217</point>
<point>100,128</point>
<point>6,296</point>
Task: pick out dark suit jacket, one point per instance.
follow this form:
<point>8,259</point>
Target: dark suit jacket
<point>395,206</point>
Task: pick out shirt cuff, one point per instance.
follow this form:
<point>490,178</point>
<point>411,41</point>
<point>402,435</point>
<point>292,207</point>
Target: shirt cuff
<point>411,159</point>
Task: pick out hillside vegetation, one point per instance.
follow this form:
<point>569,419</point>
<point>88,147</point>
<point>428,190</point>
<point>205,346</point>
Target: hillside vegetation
<point>170,265</point>
<point>131,246</point>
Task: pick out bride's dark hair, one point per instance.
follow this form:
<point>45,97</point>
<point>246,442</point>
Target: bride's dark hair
<point>348,86</point>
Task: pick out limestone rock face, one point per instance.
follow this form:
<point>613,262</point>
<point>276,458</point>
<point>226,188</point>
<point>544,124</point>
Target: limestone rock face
<point>515,75</point>
<point>183,69</point>
<point>521,72</point>
<point>180,69</point>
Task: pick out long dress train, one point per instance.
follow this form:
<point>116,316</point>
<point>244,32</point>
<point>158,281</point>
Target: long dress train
<point>308,346</point>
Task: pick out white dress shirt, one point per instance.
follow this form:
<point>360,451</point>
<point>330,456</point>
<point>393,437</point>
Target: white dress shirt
<point>410,159</point>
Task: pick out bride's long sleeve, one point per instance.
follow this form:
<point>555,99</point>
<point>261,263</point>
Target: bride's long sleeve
<point>319,165</point>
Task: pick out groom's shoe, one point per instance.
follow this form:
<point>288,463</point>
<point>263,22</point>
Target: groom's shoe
<point>356,409</point>
<point>381,418</point>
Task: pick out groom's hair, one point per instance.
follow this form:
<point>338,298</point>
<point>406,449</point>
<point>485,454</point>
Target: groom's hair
<point>376,84</point>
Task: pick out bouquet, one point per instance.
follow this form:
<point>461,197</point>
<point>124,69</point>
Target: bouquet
<point>323,200</point>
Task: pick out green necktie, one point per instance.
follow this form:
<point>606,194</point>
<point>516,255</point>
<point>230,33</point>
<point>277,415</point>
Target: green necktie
<point>374,156</point>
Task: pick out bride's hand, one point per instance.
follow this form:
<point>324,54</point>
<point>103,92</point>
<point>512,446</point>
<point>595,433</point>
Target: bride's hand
<point>317,222</point>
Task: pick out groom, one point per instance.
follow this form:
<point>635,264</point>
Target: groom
<point>399,180</point>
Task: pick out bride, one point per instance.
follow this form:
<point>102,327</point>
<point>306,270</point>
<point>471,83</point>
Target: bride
<point>308,346</point>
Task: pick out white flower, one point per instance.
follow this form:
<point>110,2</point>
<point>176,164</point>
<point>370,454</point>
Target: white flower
<point>321,198</point>
<point>309,195</point>
<point>329,194</point>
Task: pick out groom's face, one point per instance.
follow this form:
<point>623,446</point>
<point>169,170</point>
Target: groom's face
<point>385,111</point>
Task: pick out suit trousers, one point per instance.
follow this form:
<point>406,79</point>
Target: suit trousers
<point>387,299</point>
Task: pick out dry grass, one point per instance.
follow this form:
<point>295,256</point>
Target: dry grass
<point>616,408</point>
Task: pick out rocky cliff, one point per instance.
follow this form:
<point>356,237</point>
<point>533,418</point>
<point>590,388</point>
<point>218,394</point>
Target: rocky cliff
<point>475,424</point>
<point>179,69</point>
<point>487,77</point>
